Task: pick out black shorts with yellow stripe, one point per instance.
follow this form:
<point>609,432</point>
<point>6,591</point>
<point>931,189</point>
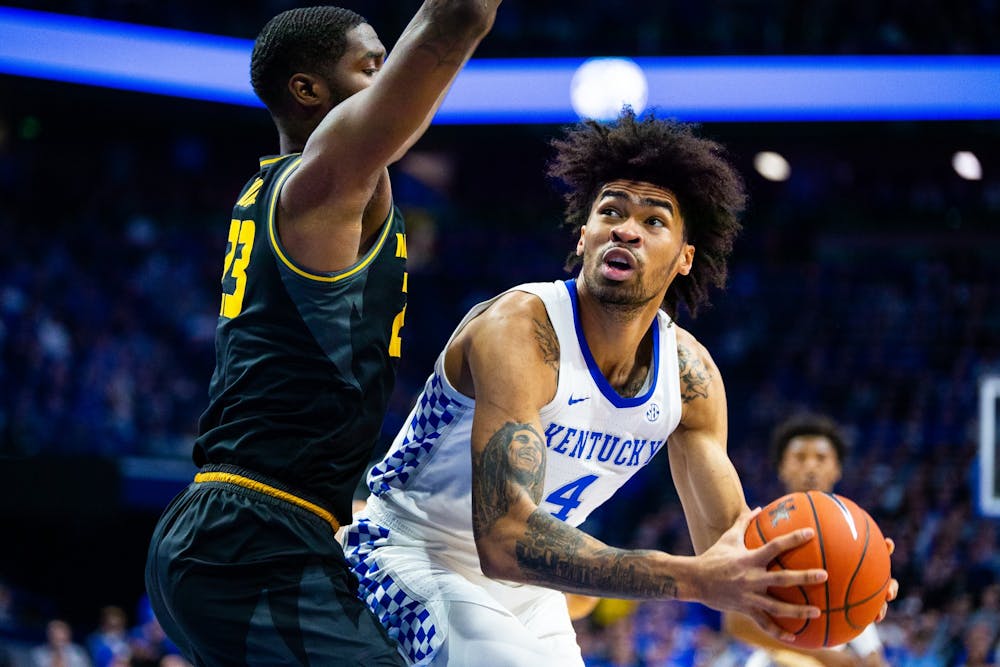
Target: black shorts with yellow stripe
<point>244,572</point>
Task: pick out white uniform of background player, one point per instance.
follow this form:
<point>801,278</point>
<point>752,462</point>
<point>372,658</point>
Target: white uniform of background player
<point>863,645</point>
<point>413,547</point>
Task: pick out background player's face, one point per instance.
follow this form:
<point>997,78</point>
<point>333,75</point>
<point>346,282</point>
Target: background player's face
<point>633,243</point>
<point>810,463</point>
<point>358,67</point>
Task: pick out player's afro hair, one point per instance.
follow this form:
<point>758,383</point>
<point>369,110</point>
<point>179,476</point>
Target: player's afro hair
<point>669,155</point>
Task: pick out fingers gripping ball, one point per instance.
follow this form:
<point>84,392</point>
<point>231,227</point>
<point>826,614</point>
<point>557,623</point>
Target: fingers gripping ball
<point>848,545</point>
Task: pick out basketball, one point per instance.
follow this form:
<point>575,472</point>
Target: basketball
<point>848,545</point>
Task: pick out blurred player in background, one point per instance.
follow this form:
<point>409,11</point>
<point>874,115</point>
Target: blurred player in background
<point>243,567</point>
<point>808,452</point>
<point>547,399</point>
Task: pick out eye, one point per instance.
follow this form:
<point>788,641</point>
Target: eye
<point>656,222</point>
<point>610,211</point>
<point>370,71</point>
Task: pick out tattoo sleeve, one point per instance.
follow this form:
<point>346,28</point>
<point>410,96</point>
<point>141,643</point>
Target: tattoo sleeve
<point>545,336</point>
<point>695,375</point>
<point>553,554</point>
<point>512,462</point>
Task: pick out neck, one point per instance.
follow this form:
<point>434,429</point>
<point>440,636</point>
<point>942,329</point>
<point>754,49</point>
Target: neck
<point>293,133</point>
<point>618,338</point>
<point>289,144</point>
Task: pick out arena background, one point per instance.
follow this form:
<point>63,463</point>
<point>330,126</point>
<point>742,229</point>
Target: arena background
<point>867,286</point>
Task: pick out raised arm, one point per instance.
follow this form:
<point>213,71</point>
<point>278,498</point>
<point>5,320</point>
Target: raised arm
<point>345,157</point>
<point>360,135</point>
<point>510,356</point>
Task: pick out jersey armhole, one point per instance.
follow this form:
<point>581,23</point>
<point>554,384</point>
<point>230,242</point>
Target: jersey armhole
<point>287,265</point>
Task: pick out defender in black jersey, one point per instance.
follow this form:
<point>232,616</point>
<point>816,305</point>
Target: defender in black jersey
<point>244,567</point>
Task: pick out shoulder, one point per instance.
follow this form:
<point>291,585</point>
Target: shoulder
<point>701,388</point>
<point>513,341</point>
<point>515,319</point>
<point>510,342</point>
<point>694,360</point>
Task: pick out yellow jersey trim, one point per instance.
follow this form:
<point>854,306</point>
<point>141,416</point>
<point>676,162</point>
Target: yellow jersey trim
<point>260,487</point>
<point>322,277</point>
<point>271,160</point>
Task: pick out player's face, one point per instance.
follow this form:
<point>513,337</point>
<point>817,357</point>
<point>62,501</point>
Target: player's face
<point>633,243</point>
<point>360,64</point>
<point>810,463</point>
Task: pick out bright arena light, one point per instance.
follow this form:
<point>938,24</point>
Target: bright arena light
<point>966,165</point>
<point>602,86</point>
<point>772,166</point>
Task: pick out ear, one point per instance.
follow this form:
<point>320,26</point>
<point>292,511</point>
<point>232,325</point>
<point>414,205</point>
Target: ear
<point>686,260</point>
<point>308,90</point>
<point>580,242</point>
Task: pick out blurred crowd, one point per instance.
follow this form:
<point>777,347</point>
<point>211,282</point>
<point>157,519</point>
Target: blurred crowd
<point>105,348</point>
<point>868,291</point>
<point>113,638</point>
<point>640,28</point>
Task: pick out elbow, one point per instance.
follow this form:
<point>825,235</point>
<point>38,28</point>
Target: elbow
<point>494,561</point>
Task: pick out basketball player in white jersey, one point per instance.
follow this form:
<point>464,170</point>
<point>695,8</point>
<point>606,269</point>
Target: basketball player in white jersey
<point>808,451</point>
<point>546,400</point>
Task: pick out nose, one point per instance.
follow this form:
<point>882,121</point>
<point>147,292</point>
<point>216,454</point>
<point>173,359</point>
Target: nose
<point>626,233</point>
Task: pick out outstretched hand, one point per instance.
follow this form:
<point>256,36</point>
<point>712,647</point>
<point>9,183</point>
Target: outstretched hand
<point>731,577</point>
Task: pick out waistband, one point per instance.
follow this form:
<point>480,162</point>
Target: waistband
<point>228,474</point>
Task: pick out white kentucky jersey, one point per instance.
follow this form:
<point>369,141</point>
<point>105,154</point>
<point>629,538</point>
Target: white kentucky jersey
<point>595,439</point>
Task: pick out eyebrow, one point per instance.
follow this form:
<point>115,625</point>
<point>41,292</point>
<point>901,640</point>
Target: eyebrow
<point>645,201</point>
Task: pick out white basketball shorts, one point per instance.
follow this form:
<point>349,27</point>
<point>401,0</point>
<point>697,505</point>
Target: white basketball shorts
<point>442,613</point>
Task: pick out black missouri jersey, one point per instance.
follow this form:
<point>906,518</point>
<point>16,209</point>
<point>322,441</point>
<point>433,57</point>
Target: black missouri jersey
<point>305,362</point>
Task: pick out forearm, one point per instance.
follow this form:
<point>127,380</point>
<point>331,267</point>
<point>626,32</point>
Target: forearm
<point>451,29</point>
<point>710,492</point>
<point>372,128</point>
<point>550,553</point>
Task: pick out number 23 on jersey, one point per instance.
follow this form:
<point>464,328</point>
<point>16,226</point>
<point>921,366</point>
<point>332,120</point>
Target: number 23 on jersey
<point>234,277</point>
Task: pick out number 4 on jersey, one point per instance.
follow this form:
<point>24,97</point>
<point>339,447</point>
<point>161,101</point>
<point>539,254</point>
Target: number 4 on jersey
<point>567,497</point>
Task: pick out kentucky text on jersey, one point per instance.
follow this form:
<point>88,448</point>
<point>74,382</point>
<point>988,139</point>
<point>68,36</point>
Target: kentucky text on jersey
<point>603,447</point>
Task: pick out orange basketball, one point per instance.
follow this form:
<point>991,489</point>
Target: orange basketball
<point>848,545</point>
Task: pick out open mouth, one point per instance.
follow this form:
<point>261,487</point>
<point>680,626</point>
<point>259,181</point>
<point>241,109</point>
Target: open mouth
<point>618,264</point>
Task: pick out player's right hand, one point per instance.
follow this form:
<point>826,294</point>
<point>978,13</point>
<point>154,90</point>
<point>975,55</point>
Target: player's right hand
<point>730,577</point>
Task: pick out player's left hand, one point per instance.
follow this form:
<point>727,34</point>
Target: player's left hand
<point>893,589</point>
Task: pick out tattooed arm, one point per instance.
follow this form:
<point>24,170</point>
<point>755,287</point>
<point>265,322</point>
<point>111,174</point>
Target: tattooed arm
<point>708,486</point>
<point>507,358</point>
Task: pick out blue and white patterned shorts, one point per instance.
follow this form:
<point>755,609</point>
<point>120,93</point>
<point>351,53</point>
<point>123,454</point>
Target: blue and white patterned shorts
<point>442,613</point>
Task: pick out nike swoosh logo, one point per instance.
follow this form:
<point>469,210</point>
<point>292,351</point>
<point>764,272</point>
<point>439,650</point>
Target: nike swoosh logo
<point>573,401</point>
